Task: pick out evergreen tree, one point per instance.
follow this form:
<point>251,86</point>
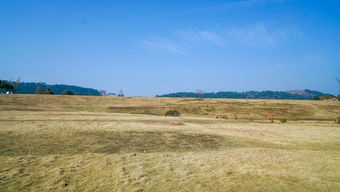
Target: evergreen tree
<point>68,92</point>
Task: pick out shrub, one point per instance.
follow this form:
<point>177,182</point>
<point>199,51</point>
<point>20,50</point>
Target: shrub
<point>337,120</point>
<point>211,109</point>
<point>173,113</point>
<point>68,92</point>
<point>271,120</point>
<point>48,91</point>
<point>326,97</point>
<point>283,120</point>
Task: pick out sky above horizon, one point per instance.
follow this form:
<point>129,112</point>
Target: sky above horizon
<point>155,47</point>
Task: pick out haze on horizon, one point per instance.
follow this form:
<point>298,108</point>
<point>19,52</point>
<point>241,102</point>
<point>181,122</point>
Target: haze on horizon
<point>157,47</point>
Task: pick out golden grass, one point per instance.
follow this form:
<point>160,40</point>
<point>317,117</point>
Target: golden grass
<point>216,108</point>
<point>71,143</point>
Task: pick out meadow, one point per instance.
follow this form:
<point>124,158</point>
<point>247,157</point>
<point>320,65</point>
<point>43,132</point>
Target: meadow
<point>88,143</point>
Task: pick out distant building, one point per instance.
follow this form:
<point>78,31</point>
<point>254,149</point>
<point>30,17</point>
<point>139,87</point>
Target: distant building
<point>332,99</point>
<point>112,95</point>
<point>103,93</point>
<point>328,98</point>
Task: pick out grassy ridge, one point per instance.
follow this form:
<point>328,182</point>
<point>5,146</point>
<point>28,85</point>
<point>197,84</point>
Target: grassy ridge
<point>216,108</point>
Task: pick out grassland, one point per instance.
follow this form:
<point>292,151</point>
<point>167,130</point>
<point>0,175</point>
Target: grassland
<point>78,143</point>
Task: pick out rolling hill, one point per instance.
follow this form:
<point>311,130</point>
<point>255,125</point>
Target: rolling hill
<point>292,95</point>
<point>30,88</point>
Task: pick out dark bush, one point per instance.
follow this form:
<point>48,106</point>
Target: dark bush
<point>173,113</point>
<point>48,91</point>
<point>283,120</point>
<point>337,120</point>
<point>68,92</point>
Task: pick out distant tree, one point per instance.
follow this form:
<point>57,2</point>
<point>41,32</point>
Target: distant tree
<point>199,93</point>
<point>38,90</point>
<point>6,86</point>
<point>317,98</point>
<point>338,80</point>
<point>68,92</point>
<point>1,86</point>
<point>30,88</point>
<point>121,93</point>
<point>48,91</point>
<point>16,84</point>
<point>9,87</point>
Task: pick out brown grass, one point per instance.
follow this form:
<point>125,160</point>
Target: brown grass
<point>221,108</point>
<point>71,143</point>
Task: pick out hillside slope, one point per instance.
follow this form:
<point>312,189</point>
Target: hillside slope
<point>235,109</point>
<point>88,143</point>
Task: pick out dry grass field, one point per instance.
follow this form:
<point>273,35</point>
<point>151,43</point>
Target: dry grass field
<point>79,143</point>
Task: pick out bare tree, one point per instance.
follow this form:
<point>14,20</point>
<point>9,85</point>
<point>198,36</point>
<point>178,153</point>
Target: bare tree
<point>38,90</point>
<point>199,93</point>
<point>338,80</point>
<point>121,93</point>
<point>17,84</point>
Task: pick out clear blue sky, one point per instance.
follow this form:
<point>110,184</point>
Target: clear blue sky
<point>155,47</point>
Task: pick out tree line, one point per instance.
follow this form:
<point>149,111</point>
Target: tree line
<point>43,88</point>
<point>309,95</point>
<point>8,86</point>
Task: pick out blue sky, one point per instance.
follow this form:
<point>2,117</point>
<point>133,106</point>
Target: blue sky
<point>156,47</point>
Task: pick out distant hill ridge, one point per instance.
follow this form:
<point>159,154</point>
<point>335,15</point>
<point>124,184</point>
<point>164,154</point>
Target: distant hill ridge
<point>294,94</point>
<point>30,88</point>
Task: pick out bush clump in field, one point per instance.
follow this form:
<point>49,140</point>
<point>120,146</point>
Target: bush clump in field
<point>68,92</point>
<point>235,116</point>
<point>173,113</point>
<point>48,91</point>
<point>337,120</point>
<point>283,120</point>
<point>271,120</point>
